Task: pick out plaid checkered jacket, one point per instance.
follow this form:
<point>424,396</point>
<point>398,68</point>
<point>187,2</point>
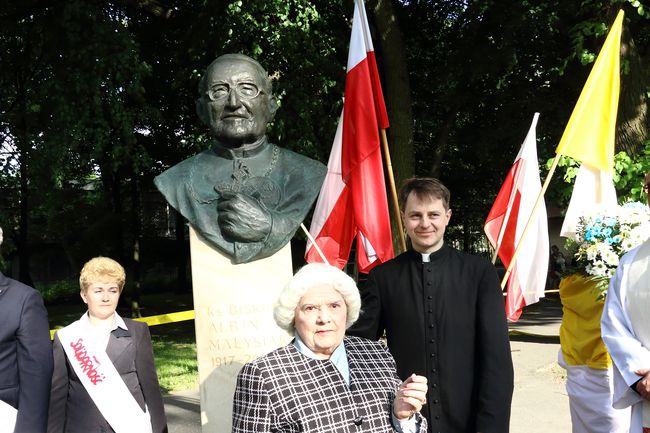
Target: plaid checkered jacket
<point>288,392</point>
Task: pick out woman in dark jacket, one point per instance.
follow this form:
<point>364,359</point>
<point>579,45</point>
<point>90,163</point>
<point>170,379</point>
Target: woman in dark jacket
<point>104,375</point>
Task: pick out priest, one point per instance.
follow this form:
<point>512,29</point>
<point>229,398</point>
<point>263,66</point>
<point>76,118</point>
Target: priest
<point>450,304</point>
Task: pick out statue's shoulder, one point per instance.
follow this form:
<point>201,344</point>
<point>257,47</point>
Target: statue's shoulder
<point>175,173</point>
<point>294,156</point>
<point>187,178</point>
<point>297,162</point>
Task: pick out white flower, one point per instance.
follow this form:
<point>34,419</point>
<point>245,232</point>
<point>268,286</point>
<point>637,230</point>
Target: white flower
<point>610,257</point>
<point>604,236</point>
<point>599,268</point>
<point>640,233</point>
<point>592,252</point>
<point>627,244</point>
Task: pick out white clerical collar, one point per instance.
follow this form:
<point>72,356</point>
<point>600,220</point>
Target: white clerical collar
<point>339,358</point>
<point>426,257</point>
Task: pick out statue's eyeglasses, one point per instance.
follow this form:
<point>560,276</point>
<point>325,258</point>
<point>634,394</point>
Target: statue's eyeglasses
<point>245,90</point>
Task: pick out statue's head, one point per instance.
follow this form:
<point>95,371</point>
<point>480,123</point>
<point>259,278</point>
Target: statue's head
<point>236,100</point>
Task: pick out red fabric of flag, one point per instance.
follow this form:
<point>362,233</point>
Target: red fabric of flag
<point>353,202</point>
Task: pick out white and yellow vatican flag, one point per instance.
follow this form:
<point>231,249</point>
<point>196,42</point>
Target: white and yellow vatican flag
<point>590,133</point>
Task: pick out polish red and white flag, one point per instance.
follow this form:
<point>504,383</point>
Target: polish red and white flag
<point>352,201</point>
<point>505,226</point>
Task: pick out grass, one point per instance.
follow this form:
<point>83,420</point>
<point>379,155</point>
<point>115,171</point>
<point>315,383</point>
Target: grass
<point>175,357</point>
<point>174,344</point>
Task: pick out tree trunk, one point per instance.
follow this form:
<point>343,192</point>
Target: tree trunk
<point>397,88</point>
<point>397,95</point>
<point>112,188</point>
<point>440,142</point>
<point>136,226</point>
<point>181,253</point>
<point>634,120</point>
<point>24,269</point>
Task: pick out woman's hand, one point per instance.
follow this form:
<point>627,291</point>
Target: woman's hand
<point>411,396</point>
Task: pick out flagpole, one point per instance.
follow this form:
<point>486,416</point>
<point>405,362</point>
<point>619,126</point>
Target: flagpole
<point>502,231</point>
<point>313,242</point>
<point>393,190</point>
<point>540,196</point>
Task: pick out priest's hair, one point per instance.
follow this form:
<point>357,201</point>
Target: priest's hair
<point>308,277</point>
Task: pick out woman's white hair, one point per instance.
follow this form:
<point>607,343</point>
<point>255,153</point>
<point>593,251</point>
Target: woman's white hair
<point>308,277</point>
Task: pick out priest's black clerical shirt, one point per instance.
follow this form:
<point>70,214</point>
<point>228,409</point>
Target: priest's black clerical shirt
<point>445,319</point>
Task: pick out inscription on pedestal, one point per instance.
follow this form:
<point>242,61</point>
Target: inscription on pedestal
<point>238,333</point>
<point>233,307</point>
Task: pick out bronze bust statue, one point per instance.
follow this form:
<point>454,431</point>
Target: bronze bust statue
<point>246,197</point>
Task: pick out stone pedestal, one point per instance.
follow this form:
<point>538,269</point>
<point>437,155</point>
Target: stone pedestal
<point>233,305</point>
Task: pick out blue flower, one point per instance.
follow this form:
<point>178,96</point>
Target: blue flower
<point>609,221</point>
<point>634,205</point>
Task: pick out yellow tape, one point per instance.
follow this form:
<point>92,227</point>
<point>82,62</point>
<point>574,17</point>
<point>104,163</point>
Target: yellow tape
<point>160,319</point>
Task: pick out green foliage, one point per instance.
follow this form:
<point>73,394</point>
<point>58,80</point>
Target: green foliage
<point>629,173</point>
<point>98,98</point>
<point>641,8</point>
<point>59,290</point>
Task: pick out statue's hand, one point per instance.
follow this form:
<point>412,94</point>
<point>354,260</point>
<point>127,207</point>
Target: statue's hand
<point>242,218</point>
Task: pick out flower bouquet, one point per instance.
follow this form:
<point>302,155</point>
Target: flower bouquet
<point>602,238</point>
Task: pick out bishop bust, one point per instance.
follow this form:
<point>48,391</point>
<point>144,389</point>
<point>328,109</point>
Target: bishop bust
<point>245,197</point>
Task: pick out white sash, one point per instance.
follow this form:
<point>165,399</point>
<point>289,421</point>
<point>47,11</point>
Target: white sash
<point>8,416</point>
<point>638,306</point>
<point>103,382</point>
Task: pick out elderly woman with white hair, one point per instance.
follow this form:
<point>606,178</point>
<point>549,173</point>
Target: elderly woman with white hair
<point>324,381</point>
